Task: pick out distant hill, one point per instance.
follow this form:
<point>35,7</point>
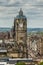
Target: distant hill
<point>28,29</point>
<point>5,29</point>
<point>34,29</point>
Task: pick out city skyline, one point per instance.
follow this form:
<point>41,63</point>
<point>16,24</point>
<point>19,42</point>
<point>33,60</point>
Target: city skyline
<point>32,9</point>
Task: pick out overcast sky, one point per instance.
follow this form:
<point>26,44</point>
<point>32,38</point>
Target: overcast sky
<point>33,10</point>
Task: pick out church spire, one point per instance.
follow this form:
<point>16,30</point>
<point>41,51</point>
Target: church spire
<point>21,12</point>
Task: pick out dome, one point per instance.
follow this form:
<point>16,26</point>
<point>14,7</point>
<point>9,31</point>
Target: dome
<point>20,16</point>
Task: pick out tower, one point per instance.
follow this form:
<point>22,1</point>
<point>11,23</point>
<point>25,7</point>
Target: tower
<point>20,33</point>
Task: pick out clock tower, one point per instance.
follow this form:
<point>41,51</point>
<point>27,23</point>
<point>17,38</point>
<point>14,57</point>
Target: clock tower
<point>20,33</point>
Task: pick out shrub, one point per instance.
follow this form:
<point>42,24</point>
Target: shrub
<point>41,63</point>
<point>20,63</point>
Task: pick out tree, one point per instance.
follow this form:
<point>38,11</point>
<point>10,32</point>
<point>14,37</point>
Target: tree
<point>41,63</point>
<point>20,63</point>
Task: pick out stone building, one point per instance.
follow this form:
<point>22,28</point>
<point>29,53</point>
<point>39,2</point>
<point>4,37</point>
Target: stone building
<point>35,44</point>
<point>20,33</point>
<point>40,46</point>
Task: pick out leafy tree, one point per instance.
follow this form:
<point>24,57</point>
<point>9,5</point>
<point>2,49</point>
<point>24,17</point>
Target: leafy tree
<point>20,63</point>
<point>41,63</point>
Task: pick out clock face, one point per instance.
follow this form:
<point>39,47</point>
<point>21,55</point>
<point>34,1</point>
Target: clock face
<point>21,24</point>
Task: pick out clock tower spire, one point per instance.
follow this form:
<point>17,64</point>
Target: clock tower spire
<point>21,12</point>
<point>20,24</point>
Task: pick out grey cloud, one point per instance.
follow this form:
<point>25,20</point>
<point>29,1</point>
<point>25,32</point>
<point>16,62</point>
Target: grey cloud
<point>33,9</point>
<point>15,3</point>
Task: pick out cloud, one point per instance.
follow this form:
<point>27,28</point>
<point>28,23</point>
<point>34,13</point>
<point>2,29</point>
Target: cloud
<point>14,1</point>
<point>35,24</point>
<point>39,0</point>
<point>33,10</point>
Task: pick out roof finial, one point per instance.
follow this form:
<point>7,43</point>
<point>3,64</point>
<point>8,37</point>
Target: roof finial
<point>20,12</point>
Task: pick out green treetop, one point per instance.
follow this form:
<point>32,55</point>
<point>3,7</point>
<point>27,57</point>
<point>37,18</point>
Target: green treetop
<point>41,63</point>
<point>20,63</point>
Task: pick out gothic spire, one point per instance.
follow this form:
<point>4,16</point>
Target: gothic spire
<point>21,12</point>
